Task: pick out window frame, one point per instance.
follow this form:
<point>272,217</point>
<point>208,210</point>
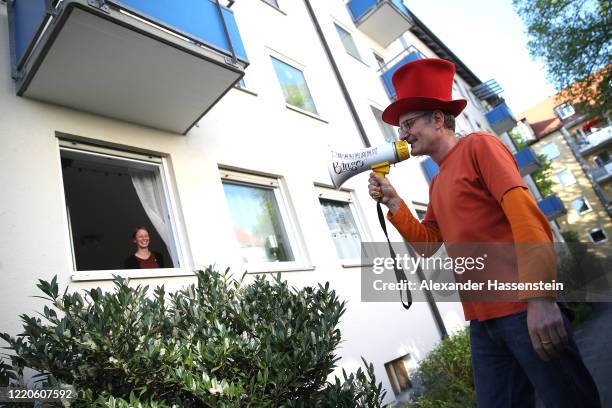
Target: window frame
<point>586,201</point>
<point>348,197</point>
<point>558,179</point>
<point>553,144</point>
<point>590,230</point>
<point>154,159</point>
<point>561,109</point>
<point>300,67</point>
<point>301,260</point>
<point>338,27</point>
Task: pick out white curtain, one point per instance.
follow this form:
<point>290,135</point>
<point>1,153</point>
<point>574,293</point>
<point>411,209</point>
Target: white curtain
<point>148,190</point>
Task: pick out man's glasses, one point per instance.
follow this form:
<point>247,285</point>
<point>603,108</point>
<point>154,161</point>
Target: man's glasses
<point>406,125</point>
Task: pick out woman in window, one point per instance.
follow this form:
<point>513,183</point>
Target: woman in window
<point>143,258</point>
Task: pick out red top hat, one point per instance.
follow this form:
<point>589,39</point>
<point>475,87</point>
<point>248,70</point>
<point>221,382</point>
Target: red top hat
<point>425,84</point>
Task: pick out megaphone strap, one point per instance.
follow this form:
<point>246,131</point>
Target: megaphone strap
<point>400,275</point>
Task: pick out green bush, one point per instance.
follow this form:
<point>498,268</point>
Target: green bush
<point>217,343</point>
<point>445,375</point>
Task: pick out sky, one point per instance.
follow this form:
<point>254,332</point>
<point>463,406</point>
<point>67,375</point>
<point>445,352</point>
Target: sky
<point>488,36</point>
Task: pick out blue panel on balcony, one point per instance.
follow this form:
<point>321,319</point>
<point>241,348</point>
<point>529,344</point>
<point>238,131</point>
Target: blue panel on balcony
<point>501,118</point>
<point>198,19</point>
<point>552,207</point>
<point>527,161</point>
<point>29,16</point>
<point>430,167</point>
<point>386,77</point>
<point>359,8</point>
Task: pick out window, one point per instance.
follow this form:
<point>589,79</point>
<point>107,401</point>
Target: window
<point>597,235</point>
<point>565,178</point>
<point>294,86</point>
<point>550,150</point>
<point>565,110</point>
<point>421,210</point>
<point>109,193</point>
<point>261,221</point>
<point>272,3</point>
<point>398,371</point>
<point>338,210</point>
<point>388,131</point>
<point>581,205</point>
<point>241,84</point>
<point>347,41</point>
<point>602,159</point>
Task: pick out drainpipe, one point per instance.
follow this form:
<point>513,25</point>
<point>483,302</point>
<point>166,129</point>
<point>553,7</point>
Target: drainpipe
<point>332,61</point>
<point>364,137</point>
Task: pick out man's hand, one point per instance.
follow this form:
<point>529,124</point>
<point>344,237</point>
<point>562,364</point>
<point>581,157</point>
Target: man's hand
<point>380,184</point>
<point>546,328</point>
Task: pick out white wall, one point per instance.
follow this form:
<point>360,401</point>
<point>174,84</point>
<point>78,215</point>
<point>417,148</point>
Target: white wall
<point>255,133</point>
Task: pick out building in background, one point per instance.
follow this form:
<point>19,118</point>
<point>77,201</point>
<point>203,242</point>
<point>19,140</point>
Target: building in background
<point>579,148</point>
<point>215,132</point>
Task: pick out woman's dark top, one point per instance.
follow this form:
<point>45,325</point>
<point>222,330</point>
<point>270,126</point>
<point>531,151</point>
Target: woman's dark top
<point>156,260</point>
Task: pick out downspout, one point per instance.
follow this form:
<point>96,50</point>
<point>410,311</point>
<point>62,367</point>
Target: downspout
<point>332,61</point>
<point>430,300</point>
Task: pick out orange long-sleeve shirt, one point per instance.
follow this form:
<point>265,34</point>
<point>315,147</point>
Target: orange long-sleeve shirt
<point>478,196</point>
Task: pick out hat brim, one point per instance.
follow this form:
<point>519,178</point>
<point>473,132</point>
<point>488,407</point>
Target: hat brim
<point>393,112</point>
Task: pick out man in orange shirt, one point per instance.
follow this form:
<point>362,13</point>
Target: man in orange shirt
<point>478,196</point>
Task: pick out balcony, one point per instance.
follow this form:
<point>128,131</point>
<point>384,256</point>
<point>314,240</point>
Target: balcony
<point>501,119</point>
<point>552,207</point>
<point>595,140</point>
<point>382,20</point>
<point>527,161</point>
<point>408,55</point>
<point>430,168</point>
<point>602,174</point>
<point>160,63</point>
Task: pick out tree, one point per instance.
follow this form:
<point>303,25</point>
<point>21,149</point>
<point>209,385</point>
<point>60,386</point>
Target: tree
<point>216,343</point>
<point>573,39</point>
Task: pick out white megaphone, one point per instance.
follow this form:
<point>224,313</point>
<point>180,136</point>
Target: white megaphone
<point>379,159</point>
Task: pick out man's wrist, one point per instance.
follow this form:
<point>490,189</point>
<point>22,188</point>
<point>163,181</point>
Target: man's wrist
<point>394,205</point>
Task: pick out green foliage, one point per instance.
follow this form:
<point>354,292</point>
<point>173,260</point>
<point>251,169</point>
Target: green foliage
<point>216,343</point>
<point>572,37</point>
<point>446,375</point>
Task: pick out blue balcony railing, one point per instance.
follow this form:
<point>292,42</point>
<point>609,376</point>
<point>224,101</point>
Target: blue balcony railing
<point>552,207</point>
<point>430,168</point>
<point>196,19</point>
<point>527,161</point>
<point>501,118</point>
<point>388,73</point>
<point>382,20</point>
<point>359,8</point>
<point>159,63</point>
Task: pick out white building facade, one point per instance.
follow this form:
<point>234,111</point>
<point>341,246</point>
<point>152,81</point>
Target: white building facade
<point>98,138</point>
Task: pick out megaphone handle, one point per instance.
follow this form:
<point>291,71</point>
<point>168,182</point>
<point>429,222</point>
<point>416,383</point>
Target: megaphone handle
<point>382,169</point>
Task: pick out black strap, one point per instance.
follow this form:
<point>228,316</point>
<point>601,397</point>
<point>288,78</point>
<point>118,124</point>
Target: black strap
<point>400,276</point>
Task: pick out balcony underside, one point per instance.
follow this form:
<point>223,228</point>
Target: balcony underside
<point>117,65</point>
<point>384,23</point>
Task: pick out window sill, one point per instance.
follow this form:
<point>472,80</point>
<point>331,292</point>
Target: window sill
<point>305,112</point>
<point>245,90</point>
<point>84,276</point>
<point>356,264</point>
<point>274,7</point>
<point>276,269</point>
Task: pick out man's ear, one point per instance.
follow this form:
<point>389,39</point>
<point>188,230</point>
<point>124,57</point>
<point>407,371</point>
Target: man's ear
<point>438,117</point>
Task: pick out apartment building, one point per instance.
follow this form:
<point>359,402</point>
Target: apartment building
<point>579,148</point>
<point>212,124</point>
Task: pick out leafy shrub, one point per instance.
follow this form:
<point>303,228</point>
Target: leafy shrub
<point>445,376</point>
<point>216,343</point>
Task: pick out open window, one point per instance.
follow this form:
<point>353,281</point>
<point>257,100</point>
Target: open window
<point>108,193</point>
<point>398,371</point>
